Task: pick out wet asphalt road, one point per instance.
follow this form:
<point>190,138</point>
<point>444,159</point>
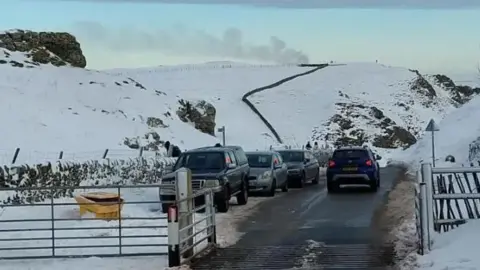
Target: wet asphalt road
<point>308,229</point>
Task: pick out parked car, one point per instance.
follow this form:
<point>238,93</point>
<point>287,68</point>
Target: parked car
<point>302,167</point>
<point>267,172</point>
<point>353,166</point>
<point>224,169</point>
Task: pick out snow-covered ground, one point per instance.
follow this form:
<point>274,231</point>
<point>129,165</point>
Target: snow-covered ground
<point>455,249</point>
<point>83,112</point>
<point>149,222</point>
<point>457,131</point>
<point>350,91</point>
<point>48,109</point>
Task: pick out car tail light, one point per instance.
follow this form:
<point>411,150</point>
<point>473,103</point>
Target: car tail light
<point>369,163</point>
<point>331,163</point>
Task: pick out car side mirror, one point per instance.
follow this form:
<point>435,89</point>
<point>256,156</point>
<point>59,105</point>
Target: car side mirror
<point>231,166</point>
<point>377,157</point>
<point>306,160</point>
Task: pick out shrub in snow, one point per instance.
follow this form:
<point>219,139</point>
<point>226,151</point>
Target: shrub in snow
<point>138,170</point>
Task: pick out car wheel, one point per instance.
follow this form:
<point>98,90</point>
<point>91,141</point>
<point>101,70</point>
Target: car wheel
<point>242,197</point>
<point>301,184</point>
<point>273,188</point>
<point>317,178</point>
<point>223,204</point>
<point>285,186</point>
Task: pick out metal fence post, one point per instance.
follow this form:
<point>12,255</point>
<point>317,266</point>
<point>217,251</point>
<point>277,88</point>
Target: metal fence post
<point>427,178</point>
<point>52,214</point>
<point>424,233</point>
<point>210,213</point>
<point>173,237</point>
<point>183,182</point>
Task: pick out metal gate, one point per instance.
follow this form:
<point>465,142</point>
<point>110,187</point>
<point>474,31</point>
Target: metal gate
<point>55,226</point>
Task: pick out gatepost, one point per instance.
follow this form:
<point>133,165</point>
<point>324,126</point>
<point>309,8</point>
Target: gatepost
<point>173,237</point>
<point>427,178</point>
<point>210,213</point>
<point>183,182</point>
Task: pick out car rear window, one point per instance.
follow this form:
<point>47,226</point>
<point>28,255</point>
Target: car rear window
<point>259,161</point>
<point>350,154</point>
<point>292,156</point>
<point>210,161</point>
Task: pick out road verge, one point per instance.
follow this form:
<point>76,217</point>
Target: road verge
<point>394,221</point>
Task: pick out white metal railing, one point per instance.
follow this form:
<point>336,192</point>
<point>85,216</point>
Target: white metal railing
<point>445,198</point>
<point>191,229</point>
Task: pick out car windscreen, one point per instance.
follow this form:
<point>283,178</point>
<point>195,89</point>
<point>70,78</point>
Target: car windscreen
<point>202,161</point>
<point>350,154</point>
<point>292,156</point>
<point>259,161</point>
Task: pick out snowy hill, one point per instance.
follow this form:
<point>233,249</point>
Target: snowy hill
<point>48,109</point>
<point>459,136</point>
<point>356,103</point>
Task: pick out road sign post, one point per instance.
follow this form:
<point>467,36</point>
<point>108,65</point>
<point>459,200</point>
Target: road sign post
<point>222,130</point>
<point>432,127</point>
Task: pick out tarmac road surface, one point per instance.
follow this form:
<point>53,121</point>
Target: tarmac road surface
<point>308,229</point>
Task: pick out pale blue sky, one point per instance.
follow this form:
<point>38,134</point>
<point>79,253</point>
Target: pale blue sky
<point>143,34</point>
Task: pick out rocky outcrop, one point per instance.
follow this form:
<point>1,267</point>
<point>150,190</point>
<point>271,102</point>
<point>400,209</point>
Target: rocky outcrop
<point>201,114</point>
<point>56,48</point>
<point>349,126</point>
<point>459,93</point>
<point>394,137</point>
<point>149,142</point>
<point>422,86</point>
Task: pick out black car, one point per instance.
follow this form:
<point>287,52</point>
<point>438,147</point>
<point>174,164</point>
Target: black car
<point>224,169</point>
<point>302,167</point>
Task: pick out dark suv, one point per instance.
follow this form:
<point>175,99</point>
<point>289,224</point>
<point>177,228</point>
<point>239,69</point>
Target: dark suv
<point>353,166</point>
<point>302,167</point>
<point>223,168</point>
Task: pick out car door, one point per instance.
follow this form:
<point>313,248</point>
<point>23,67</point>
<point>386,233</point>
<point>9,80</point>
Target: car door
<point>282,170</point>
<point>315,166</point>
<point>277,169</point>
<point>234,175</point>
<point>310,166</point>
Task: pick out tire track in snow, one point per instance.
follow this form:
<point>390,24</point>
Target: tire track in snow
<point>273,85</point>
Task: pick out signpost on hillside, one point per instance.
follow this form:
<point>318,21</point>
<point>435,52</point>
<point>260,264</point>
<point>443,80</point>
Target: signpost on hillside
<point>432,127</point>
<point>222,130</point>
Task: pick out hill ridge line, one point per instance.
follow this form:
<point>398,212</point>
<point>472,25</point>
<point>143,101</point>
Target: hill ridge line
<point>273,85</point>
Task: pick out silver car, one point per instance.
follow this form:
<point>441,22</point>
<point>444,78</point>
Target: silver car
<point>267,172</point>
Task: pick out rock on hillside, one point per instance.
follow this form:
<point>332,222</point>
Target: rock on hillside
<point>56,48</point>
<point>461,94</point>
<point>201,114</point>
